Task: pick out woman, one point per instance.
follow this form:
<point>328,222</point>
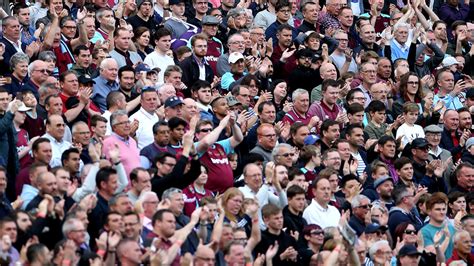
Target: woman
<point>252,82</point>
<point>19,65</point>
<point>407,233</point>
<point>141,38</point>
<point>280,97</point>
<point>456,203</point>
<point>232,201</point>
<point>410,91</point>
<point>50,58</point>
<point>313,240</point>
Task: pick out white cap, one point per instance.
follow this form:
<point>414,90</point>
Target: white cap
<point>234,57</point>
<point>449,61</point>
<point>22,107</point>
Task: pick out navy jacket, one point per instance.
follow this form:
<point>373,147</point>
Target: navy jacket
<point>9,52</point>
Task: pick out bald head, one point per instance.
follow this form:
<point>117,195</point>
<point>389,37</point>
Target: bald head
<point>328,71</point>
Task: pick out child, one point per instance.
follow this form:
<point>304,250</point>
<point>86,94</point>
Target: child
<point>377,127</point>
<point>409,131</point>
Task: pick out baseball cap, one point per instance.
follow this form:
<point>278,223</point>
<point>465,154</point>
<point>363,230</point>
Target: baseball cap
<point>419,143</point>
<point>304,53</point>
<point>449,61</point>
<point>209,20</point>
<point>469,142</point>
<point>85,79</point>
<point>433,129</point>
<point>22,107</point>
<point>173,101</point>
<point>381,180</point>
<point>408,250</point>
<point>374,227</point>
<point>231,100</point>
<point>234,57</point>
<point>215,99</point>
<point>142,67</point>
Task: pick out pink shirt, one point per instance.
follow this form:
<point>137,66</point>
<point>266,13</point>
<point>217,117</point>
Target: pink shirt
<point>129,152</point>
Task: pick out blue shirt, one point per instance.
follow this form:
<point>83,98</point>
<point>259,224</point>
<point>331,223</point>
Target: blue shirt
<point>428,231</point>
<point>102,88</point>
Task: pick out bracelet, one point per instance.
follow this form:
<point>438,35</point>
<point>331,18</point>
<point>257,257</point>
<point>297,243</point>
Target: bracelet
<point>101,252</point>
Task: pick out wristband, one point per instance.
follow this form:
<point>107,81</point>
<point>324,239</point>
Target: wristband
<point>255,220</point>
<point>101,252</point>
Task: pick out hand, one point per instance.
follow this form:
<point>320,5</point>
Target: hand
<point>195,215</point>
<point>287,54</point>
<point>464,137</point>
<point>113,240</point>
<point>224,121</point>
<point>295,235</point>
<point>269,46</point>
<point>51,203</point>
<point>134,127</point>
<point>289,254</point>
<point>388,33</point>
<point>43,207</point>
<point>14,106</point>
<point>342,118</point>
<point>59,209</point>
<point>114,153</point>
<point>252,209</point>
<point>272,251</point>
<point>459,87</point>
<point>287,106</point>
<point>259,260</point>
<point>164,204</point>
<point>17,203</point>
<point>6,243</point>
<point>81,14</point>
<point>85,95</point>
<point>269,171</point>
<point>188,139</point>
<point>348,53</point>
<point>437,237</point>
<point>325,53</point>
<point>2,47</point>
<point>94,153</point>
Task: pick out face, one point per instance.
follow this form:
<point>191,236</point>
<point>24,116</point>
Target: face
<point>40,72</point>
<point>284,38</point>
<point>115,223</point>
<point>385,189</point>
<point>458,204</point>
<point>21,69</point>
<point>440,31</point>
<point>82,134</point>
<point>433,138</point>
<point>78,234</point>
<point>44,152</point>
<point>174,79</point>
<point>332,133</point>
<point>285,156</point>
<point>23,221</point>
<point>167,225</point>
<point>19,117</point>
<point>346,17</point>
<point>107,18</point>
<point>363,208</point>
<point>322,192</point>
<point>122,126</point>
<point>280,90</point>
<point>388,149</point>
<point>297,202</point>
<point>282,175</point>
<point>465,120</point>
<point>274,222</point>
<point>451,120</point>
<point>56,127</point>
<point>257,36</point>
<point>149,101</point>
<point>221,107</point>
<point>253,177</point>
<point>143,182</point>
<point>466,178</point>
<point>333,161</point>
<point>356,138</point>
<point>238,67</point>
<point>446,81</point>
<point>167,166</point>
<point>268,138</point>
<point>401,35</point>
<point>384,68</point>
<point>110,71</point>
<point>178,10</point>
<point>301,103</point>
<point>328,71</point>
<point>268,114</point>
<point>10,229</point>
<point>200,48</point>
<point>313,43</point>
<point>123,205</point>
<point>344,150</point>
<point>369,74</point>
<point>127,80</point>
<point>110,186</point>
<point>234,204</point>
<point>438,212</point>
<point>3,182</point>
<point>244,96</point>
<point>144,39</point>
<point>48,184</point>
<point>133,252</point>
<point>164,43</point>
<point>89,24</point>
<point>12,30</point>
<point>145,9</point>
<point>367,33</point>
<point>62,181</point>
<point>235,256</point>
<point>406,172</point>
<point>237,44</point>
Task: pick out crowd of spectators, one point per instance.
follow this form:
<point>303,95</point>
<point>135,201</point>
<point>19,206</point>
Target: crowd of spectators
<point>237,132</point>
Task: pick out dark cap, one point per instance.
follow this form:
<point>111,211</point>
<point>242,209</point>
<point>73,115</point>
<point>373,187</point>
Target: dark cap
<point>142,67</point>
<point>470,93</point>
<point>408,250</point>
<point>374,227</point>
<point>419,143</point>
<point>348,178</point>
<point>304,53</point>
<point>311,139</point>
<point>175,2</point>
<point>173,101</point>
<point>209,20</point>
<point>85,79</point>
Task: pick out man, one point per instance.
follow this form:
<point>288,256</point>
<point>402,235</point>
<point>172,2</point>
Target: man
<point>115,101</point>
<point>126,76</point>
<point>122,53</point>
<point>161,136</point>
<point>327,108</point>
<point>433,136</point>
<point>215,48</point>
<point>329,133</point>
<point>319,211</point>
<point>141,182</point>
<point>299,112</point>
<point>105,18</point>
<point>451,139</point>
<point>446,92</point>
<point>213,153</point>
<point>302,75</point>
<point>326,71</point>
<point>105,83</point>
<point>176,25</point>
<point>437,209</point>
<point>145,17</point>
<point>172,76</point>
<point>283,15</point>
<point>462,248</point>
<point>310,12</point>
<point>8,230</point>
<point>201,8</point>
<point>98,128</point>
<point>287,253</point>
<point>196,67</point>
<point>11,41</point>
<point>355,136</point>
<point>71,162</point>
<point>47,186</point>
<point>83,58</point>
<point>408,255</point>
<point>283,60</point>
<point>129,252</point>
<point>189,109</point>
<point>120,138</point>
<point>293,212</point>
<point>384,187</point>
<point>346,21</point>
<point>386,154</point>
<point>38,73</point>
<point>343,63</point>
<point>158,58</point>
<point>55,133</point>
<point>380,252</point>
<point>464,175</point>
<point>22,12</point>
<point>360,205</point>
<point>329,19</point>
<point>266,114</point>
<point>399,45</point>
<point>173,108</point>
<point>42,154</point>
<point>146,117</point>
<point>402,212</point>
<point>368,38</point>
<point>236,71</point>
<point>368,73</point>
<point>266,141</point>
<point>236,44</point>
<point>149,203</point>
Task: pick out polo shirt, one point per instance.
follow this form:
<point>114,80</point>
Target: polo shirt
<point>58,148</point>
<point>145,127</point>
<point>324,217</point>
<point>102,88</point>
<point>330,112</point>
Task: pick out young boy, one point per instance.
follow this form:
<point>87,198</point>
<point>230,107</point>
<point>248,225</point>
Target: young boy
<point>377,127</point>
<point>409,131</point>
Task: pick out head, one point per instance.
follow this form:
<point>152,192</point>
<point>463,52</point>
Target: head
<point>266,136</point>
<point>283,154</point>
<point>107,181</point>
<point>273,217</point>
<point>109,69</point>
<point>55,126</point>
<point>253,176</point>
<point>73,229</point>
<point>300,98</point>
<point>176,200</point>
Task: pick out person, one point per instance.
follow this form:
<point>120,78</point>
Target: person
<point>319,211</point>
<point>105,82</point>
<point>402,212</point>
<point>409,131</point>
<point>193,66</point>
<point>158,58</point>
<point>146,117</point>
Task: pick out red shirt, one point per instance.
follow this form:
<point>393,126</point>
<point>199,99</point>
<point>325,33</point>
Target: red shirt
<point>292,117</point>
<point>331,113</point>
<point>192,198</point>
<point>220,173</point>
<point>214,51</point>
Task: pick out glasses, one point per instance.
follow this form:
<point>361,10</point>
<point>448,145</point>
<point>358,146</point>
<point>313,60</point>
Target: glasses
<point>368,206</point>
<point>317,232</point>
<point>70,27</point>
<point>123,123</point>
<point>83,133</point>
<point>284,10</point>
<point>205,130</point>
<point>343,40</point>
<point>413,82</point>
<point>286,155</point>
<point>269,136</point>
<point>411,232</point>
<point>44,71</point>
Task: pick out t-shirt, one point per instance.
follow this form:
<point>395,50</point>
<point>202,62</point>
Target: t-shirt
<point>428,231</point>
<point>220,175</point>
<point>409,133</point>
<point>21,144</point>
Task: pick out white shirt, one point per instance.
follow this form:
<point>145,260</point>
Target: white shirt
<point>409,133</point>
<point>58,148</point>
<point>107,115</point>
<point>264,196</point>
<point>146,121</point>
<point>161,61</point>
<point>316,214</point>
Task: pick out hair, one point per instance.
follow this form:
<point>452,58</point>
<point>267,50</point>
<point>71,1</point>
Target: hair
<point>37,142</point>
<point>458,23</point>
<point>351,128</point>
<point>356,201</point>
<point>113,200</point>
<point>161,157</point>
<point>138,32</point>
<point>400,192</point>
<point>33,252</point>
<point>326,124</point>
<point>384,139</point>
<point>122,245</point>
<point>97,118</point>
<point>18,58</point>
<point>262,105</point>
<point>277,148</point>
<point>161,32</point>
<point>436,198</point>
<point>115,115</point>
<point>180,51</point>
<point>167,194</point>
<point>66,73</point>
<point>376,165</point>
<point>170,69</point>
<point>326,152</point>
<point>327,83</point>
<point>307,153</point>
<point>67,153</point>
<point>452,197</point>
<point>376,106</point>
<point>355,108</point>
<point>100,13</point>
<point>436,23</point>
<point>69,225</point>
<point>158,216</point>
<point>230,193</point>
<point>376,246</point>
<point>326,173</point>
<point>203,122</point>
<point>103,175</point>
<point>400,162</point>
<point>134,173</point>
<point>350,95</point>
<point>296,126</point>
<point>297,93</point>
<point>293,191</point>
<point>409,107</point>
<point>369,55</point>
<point>457,172</point>
<point>199,36</point>
<point>403,87</point>
<point>269,210</point>
<point>283,27</point>
<point>125,68</point>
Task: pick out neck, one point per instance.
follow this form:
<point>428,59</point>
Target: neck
<point>17,126</point>
<point>354,148</point>
<point>271,9</point>
<point>292,210</point>
<point>369,45</point>
<point>140,15</point>
<point>442,92</point>
<point>314,248</point>
<point>310,165</point>
<point>127,12</point>
<point>174,142</point>
<point>345,28</point>
<point>200,16</point>
<point>274,231</point>
<point>435,223</point>
<point>330,105</point>
<point>298,112</point>
<point>411,97</point>
<point>322,203</point>
<point>199,187</point>
<point>105,195</point>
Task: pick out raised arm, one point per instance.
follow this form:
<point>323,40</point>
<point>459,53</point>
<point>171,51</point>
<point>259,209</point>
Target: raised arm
<point>212,137</point>
<point>237,136</point>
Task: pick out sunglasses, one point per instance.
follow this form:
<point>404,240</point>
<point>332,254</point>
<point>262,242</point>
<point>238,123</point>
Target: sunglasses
<point>368,206</point>
<point>317,232</point>
<point>411,232</point>
<point>287,155</point>
<point>206,130</point>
